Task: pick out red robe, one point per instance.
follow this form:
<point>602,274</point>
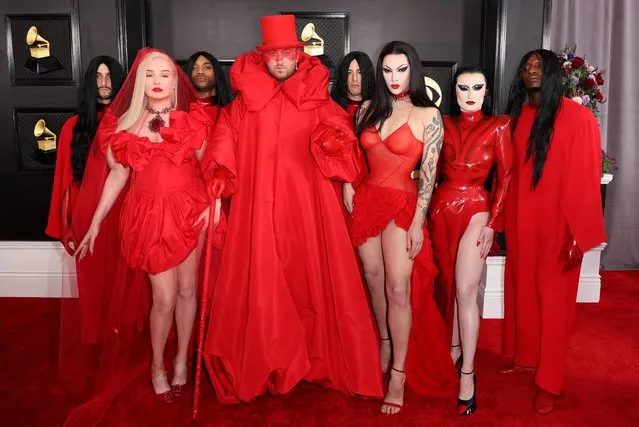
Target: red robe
<point>289,303</point>
<point>540,295</point>
<point>64,192</point>
<point>473,145</point>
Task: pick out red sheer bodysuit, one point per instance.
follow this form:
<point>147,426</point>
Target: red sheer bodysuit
<point>389,194</point>
<point>473,145</point>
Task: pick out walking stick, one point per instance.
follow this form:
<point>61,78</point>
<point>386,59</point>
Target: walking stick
<point>203,306</point>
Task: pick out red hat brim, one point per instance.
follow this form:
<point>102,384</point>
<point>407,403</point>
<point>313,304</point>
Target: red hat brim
<point>267,47</point>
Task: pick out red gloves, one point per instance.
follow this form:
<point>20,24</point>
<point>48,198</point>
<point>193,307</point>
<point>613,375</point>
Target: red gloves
<point>217,184</point>
<point>572,254</point>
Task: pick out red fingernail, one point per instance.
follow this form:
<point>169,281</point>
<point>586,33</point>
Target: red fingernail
<point>477,242</point>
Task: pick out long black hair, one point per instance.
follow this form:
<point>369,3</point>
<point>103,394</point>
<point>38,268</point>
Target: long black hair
<point>223,91</point>
<point>549,104</point>
<point>381,105</point>
<point>87,124</point>
<point>367,73</point>
<point>487,106</point>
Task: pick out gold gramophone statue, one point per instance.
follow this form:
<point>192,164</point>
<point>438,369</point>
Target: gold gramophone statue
<point>40,60</point>
<point>49,141</point>
<point>314,44</point>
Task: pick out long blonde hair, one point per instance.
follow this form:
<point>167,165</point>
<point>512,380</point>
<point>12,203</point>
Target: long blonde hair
<point>138,97</point>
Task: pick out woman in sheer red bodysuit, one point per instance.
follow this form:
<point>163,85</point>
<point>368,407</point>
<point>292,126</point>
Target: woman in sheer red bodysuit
<point>146,158</point>
<point>397,127</point>
<point>463,216</point>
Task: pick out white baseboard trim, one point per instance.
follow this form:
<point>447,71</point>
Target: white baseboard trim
<point>36,270</point>
<point>45,270</point>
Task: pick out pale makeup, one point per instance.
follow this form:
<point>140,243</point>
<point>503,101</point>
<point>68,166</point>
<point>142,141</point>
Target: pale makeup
<point>281,63</point>
<point>470,91</point>
<point>396,72</point>
<point>103,77</point>
<point>159,79</point>
<point>354,82</point>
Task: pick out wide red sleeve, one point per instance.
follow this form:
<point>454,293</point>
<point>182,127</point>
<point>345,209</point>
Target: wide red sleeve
<point>504,160</point>
<point>220,155</point>
<point>334,145</point>
<point>62,180</point>
<point>580,194</point>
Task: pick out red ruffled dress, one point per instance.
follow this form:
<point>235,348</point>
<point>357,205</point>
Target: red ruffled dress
<point>389,194</point>
<point>166,194</point>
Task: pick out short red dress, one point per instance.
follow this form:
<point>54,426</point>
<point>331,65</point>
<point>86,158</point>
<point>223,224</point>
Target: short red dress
<point>166,194</point>
<point>389,194</point>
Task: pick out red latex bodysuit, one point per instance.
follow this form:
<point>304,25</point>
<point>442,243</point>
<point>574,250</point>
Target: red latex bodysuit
<point>473,145</point>
<point>389,194</point>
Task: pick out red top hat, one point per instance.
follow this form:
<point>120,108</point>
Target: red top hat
<point>278,32</point>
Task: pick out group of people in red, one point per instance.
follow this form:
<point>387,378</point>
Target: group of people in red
<point>288,197</point>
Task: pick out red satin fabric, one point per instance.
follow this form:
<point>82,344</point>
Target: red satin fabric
<point>389,194</point>
<point>289,304</point>
<point>540,294</point>
<point>474,144</point>
<point>104,337</point>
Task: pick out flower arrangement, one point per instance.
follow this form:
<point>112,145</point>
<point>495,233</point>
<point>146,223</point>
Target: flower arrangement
<point>582,83</point>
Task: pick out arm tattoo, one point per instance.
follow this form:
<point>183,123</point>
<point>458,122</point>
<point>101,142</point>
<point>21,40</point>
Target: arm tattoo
<point>433,140</point>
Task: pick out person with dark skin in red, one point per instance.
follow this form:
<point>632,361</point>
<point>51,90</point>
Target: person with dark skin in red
<point>553,216</point>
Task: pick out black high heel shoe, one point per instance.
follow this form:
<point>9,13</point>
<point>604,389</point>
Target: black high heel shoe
<point>467,407</point>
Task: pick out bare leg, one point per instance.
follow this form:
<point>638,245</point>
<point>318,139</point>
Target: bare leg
<point>398,271</point>
<point>455,348</point>
<point>185,309</point>
<point>164,287</point>
<point>373,264</point>
<point>468,269</point>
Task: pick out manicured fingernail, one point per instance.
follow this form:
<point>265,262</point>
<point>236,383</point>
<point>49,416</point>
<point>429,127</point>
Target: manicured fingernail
<point>477,242</point>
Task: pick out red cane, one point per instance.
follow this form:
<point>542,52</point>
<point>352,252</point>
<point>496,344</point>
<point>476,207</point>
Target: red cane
<point>203,309</point>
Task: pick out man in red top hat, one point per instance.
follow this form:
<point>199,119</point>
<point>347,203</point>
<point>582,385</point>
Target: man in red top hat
<point>289,304</point>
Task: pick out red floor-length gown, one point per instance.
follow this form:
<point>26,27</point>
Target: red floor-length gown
<point>289,303</point>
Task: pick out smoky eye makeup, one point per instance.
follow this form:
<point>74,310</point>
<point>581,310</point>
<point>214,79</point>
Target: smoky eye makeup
<point>403,68</point>
<point>478,86</point>
<point>463,88</point>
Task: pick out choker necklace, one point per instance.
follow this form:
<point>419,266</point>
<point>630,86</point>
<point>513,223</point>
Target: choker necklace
<point>402,96</point>
<point>157,122</point>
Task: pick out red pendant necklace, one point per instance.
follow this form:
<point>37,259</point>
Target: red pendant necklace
<point>157,122</point>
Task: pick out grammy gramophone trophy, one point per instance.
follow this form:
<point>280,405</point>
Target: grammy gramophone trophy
<point>40,60</point>
<point>314,44</point>
<point>47,143</point>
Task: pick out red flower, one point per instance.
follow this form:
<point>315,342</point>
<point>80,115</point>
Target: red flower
<point>599,96</point>
<point>599,78</point>
<point>577,62</point>
<point>588,82</point>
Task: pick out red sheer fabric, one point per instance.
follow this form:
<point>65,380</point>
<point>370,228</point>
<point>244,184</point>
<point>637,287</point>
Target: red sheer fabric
<point>389,194</point>
<point>473,145</point>
<point>104,337</point>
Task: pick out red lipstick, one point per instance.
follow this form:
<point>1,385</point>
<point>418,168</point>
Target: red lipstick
<point>157,89</point>
<point>395,86</point>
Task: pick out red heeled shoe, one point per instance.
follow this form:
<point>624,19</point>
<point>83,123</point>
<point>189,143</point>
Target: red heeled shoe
<point>178,369</point>
<point>158,379</point>
<point>398,406</point>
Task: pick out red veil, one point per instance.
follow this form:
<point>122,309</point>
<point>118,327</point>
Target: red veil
<point>104,335</point>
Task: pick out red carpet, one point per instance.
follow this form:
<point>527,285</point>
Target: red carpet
<point>602,383</point>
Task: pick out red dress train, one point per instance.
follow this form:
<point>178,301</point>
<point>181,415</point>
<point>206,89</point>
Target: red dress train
<point>389,194</point>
